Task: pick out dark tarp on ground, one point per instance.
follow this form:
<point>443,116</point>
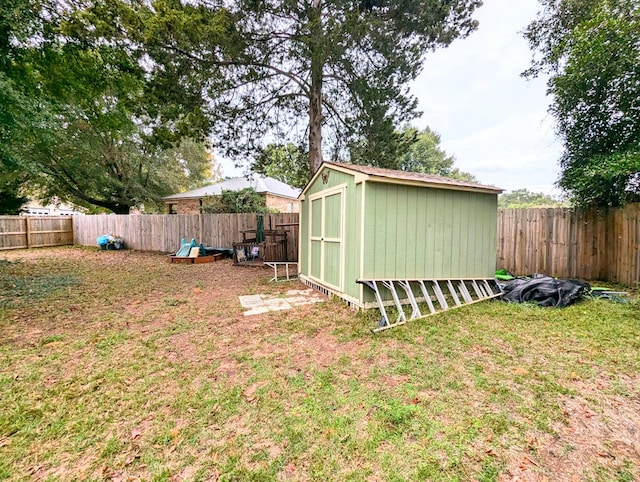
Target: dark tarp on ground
<point>545,291</point>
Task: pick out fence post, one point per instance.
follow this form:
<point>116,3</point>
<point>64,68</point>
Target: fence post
<point>27,231</point>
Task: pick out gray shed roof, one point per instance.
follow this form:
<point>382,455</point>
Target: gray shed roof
<point>261,184</point>
<point>389,175</point>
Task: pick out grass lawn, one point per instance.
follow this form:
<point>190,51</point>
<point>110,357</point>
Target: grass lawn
<point>120,366</point>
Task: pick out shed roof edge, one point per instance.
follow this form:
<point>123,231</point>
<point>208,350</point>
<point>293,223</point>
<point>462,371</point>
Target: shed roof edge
<point>389,179</point>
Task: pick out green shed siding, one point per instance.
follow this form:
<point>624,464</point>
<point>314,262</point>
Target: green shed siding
<point>341,216</point>
<point>355,256</point>
<point>392,230</point>
<point>316,232</point>
<point>303,241</point>
<point>352,240</point>
<point>416,232</point>
<point>335,179</point>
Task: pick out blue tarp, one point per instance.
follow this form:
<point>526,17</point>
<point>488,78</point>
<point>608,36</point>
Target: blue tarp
<point>108,241</point>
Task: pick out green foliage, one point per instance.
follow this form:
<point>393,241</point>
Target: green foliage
<point>245,200</point>
<point>604,179</point>
<point>80,117</point>
<point>286,163</point>
<point>413,150</point>
<point>591,51</point>
<point>384,148</point>
<point>15,107</point>
<point>97,96</point>
<point>11,197</point>
<point>523,198</point>
<point>426,156</point>
<point>334,70</point>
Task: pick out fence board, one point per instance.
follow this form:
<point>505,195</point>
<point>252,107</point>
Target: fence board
<point>589,244</point>
<point>163,232</point>
<point>34,232</point>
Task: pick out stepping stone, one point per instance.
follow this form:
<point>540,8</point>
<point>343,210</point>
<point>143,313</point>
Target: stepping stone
<point>277,304</point>
<point>296,299</point>
<point>308,301</point>
<point>256,311</point>
<point>251,301</point>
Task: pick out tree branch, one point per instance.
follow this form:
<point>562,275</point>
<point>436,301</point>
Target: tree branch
<point>245,63</point>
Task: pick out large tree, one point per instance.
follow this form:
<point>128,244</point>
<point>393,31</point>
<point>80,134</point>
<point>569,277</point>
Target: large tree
<point>11,196</point>
<point>416,150</point>
<point>591,51</point>
<point>80,119</point>
<point>328,69</point>
<point>12,178</point>
<point>286,163</point>
<point>424,154</point>
<point>16,23</point>
<point>106,88</point>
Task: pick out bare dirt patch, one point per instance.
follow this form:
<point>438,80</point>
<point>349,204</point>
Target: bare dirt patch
<point>599,431</point>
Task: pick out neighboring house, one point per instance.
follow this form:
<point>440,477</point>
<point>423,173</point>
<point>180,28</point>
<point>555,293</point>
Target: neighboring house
<point>278,195</point>
<point>34,208</point>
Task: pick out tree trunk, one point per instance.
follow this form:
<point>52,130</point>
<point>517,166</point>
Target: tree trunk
<point>315,125</point>
<point>315,98</point>
<point>120,208</point>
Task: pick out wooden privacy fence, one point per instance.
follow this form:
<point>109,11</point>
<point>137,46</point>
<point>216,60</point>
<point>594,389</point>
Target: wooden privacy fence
<point>163,232</point>
<point>588,244</point>
<point>35,232</point>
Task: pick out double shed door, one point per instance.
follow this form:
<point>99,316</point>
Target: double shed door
<point>326,253</point>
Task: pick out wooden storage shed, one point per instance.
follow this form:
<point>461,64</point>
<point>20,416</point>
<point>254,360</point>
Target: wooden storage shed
<point>364,229</point>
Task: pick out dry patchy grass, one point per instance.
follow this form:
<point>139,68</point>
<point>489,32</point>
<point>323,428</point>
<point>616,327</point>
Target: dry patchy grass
<point>121,366</point>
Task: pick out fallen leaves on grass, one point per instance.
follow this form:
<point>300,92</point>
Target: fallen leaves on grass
<point>147,370</point>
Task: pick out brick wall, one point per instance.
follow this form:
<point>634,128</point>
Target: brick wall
<point>185,206</point>
<point>283,204</point>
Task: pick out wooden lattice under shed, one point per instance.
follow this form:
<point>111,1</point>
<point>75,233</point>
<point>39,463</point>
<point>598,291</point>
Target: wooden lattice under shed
<point>375,237</point>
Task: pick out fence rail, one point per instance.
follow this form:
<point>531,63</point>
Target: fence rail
<point>589,244</point>
<point>35,232</point>
<point>164,232</point>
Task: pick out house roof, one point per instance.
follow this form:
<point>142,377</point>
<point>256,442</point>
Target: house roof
<point>261,184</point>
<point>380,174</point>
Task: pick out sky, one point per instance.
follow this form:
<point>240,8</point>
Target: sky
<point>493,121</point>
